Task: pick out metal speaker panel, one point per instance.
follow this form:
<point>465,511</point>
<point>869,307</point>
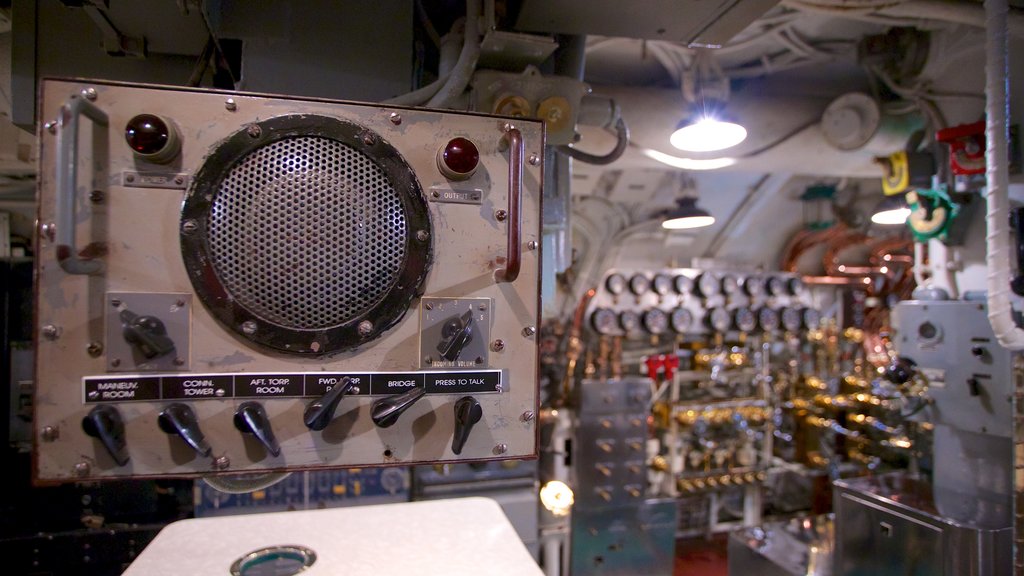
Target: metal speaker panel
<point>306,234</point>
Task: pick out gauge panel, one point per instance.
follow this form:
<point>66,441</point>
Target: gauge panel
<point>681,320</point>
<point>730,285</point>
<point>744,319</point>
<point>655,321</point>
<point>719,319</point>
<point>792,319</point>
<point>629,320</point>
<point>768,319</point>
<point>777,286</point>
<point>683,284</point>
<point>615,284</point>
<point>639,284</point>
<point>811,318</point>
<point>662,284</point>
<point>708,285</point>
<point>753,286</point>
<point>604,320</point>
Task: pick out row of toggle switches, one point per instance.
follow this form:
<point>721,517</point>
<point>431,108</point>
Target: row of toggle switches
<point>104,422</point>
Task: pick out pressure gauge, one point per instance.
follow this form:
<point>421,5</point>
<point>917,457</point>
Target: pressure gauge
<point>616,284</point>
<point>684,284</point>
<point>629,320</point>
<point>812,318</point>
<point>719,319</point>
<point>744,319</point>
<point>792,319</point>
<point>768,319</point>
<point>656,321</point>
<point>708,285</point>
<point>603,320</point>
<point>777,286</point>
<point>681,320</point>
<point>639,284</point>
<point>730,285</point>
<point>753,286</point>
<point>795,286</point>
<point>662,284</point>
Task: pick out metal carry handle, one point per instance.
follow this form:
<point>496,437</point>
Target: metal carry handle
<point>67,180</point>
<point>515,199</point>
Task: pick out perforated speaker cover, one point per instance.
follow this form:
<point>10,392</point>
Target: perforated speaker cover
<point>306,234</point>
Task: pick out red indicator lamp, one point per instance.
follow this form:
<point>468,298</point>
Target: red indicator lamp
<point>152,138</point>
<point>458,159</point>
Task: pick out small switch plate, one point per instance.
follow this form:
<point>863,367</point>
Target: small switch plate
<point>173,309</point>
<point>435,312</point>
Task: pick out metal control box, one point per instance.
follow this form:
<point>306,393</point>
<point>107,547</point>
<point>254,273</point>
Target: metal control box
<point>231,283</point>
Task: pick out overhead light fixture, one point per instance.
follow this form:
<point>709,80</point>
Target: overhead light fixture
<point>687,215</point>
<point>557,497</point>
<point>891,211</point>
<point>705,132</point>
<point>689,163</point>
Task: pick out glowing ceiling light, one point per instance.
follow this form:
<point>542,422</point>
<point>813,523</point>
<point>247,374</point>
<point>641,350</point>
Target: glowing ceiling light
<point>687,215</point>
<point>707,134</point>
<point>689,163</point>
<point>557,497</point>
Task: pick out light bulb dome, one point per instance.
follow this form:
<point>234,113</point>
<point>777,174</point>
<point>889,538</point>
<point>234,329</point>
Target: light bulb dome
<point>706,134</point>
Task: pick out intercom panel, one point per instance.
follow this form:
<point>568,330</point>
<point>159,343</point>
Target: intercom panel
<point>241,283</point>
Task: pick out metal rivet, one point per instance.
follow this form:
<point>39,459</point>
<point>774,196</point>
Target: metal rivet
<point>179,361</point>
<point>529,331</point>
<point>527,416</point>
<point>221,462</point>
<point>219,392</point>
<point>90,94</point>
<point>501,215</point>
<point>498,345</point>
<point>82,469</point>
<point>179,180</point>
<point>534,160</point>
<point>314,346</point>
<point>51,127</point>
<point>428,360</point>
<point>189,226</point>
<point>179,303</point>
<point>115,302</point>
<point>428,305</point>
<point>365,327</point>
<point>115,362</point>
<point>531,245</point>
<point>51,332</point>
<point>129,177</point>
<point>482,306</point>
<point>396,118</point>
<point>368,139</point>
<point>96,196</point>
<point>50,433</point>
<point>422,235</point>
<point>249,327</point>
<point>231,105</point>
<point>48,230</point>
<point>254,131</point>
<point>500,449</point>
<point>94,349</point>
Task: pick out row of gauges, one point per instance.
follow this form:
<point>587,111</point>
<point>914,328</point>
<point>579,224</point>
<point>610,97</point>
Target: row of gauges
<point>656,321</point>
<point>706,285</point>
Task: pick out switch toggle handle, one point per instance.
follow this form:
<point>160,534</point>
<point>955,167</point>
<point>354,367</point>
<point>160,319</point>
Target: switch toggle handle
<point>467,413</point>
<point>251,418</point>
<point>179,419</point>
<point>386,411</point>
<point>320,412</point>
<point>147,334</point>
<point>457,332</point>
<point>105,424</point>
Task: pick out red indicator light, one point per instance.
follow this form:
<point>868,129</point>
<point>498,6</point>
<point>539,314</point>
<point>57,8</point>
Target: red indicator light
<point>152,138</point>
<point>458,159</point>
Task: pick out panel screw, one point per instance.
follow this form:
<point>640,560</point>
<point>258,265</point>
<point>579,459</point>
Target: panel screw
<point>507,126</point>
<point>90,94</point>
<point>219,392</point>
<point>254,131</point>
<point>365,327</point>
<point>500,215</point>
<point>179,180</point>
<point>435,194</point>
<point>51,127</point>
<point>94,349</point>
<point>115,362</point>
<point>249,327</point>
<point>129,177</point>
<point>428,360</point>
<point>96,196</point>
<point>368,139</point>
<point>230,105</point>
<point>82,469</point>
<point>529,331</point>
<point>221,462</point>
<point>396,118</point>
<point>482,306</point>
<point>179,361</point>
<point>534,160</point>
<point>189,226</point>
<point>527,416</point>
<point>479,360</point>
<point>498,345</point>
<point>116,303</point>
<point>531,245</point>
<point>50,433</point>
<point>428,305</point>
<point>422,235</point>
<point>51,332</point>
<point>48,230</point>
<point>180,303</point>
<point>500,449</point>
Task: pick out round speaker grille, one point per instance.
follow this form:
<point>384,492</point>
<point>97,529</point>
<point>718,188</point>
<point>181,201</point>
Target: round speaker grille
<point>310,237</point>
<point>307,232</point>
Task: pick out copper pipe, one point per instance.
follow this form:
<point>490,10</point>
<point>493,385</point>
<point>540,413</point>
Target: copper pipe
<point>854,281</point>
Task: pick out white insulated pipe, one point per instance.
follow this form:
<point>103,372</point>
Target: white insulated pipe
<point>997,177</point>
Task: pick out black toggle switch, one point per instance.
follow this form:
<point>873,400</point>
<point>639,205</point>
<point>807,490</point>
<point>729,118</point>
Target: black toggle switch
<point>456,333</point>
<point>320,412</point>
<point>179,419</point>
<point>251,418</point>
<point>974,386</point>
<point>147,334</point>
<point>104,423</point>
<point>467,413</point>
<point>386,411</point>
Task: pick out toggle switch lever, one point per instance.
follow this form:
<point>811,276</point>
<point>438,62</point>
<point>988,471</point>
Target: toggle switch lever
<point>456,332</point>
<point>147,334</point>
<point>251,418</point>
<point>320,412</point>
<point>386,411</point>
<point>181,420</point>
<point>105,424</point>
<point>467,413</point>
